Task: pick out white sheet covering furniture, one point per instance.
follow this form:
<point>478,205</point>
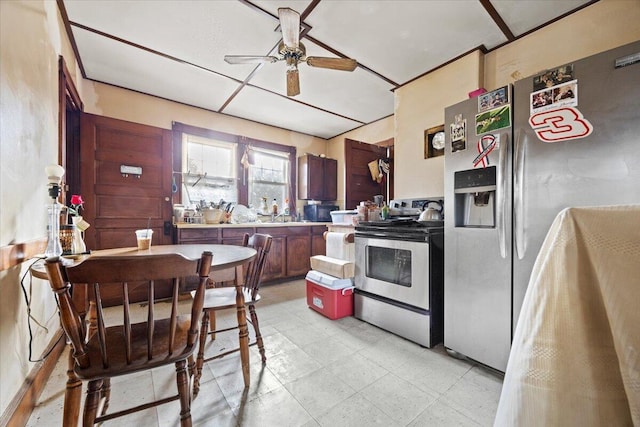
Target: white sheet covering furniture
<point>575,357</point>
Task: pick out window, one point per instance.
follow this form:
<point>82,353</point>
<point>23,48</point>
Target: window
<point>212,165</point>
<point>209,170</point>
<point>268,177</point>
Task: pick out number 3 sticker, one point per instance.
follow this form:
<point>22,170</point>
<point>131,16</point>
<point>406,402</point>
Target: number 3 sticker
<point>560,125</point>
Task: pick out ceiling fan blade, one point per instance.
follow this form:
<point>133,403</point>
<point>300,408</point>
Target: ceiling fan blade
<point>293,83</point>
<point>290,27</point>
<point>248,59</point>
<point>343,64</point>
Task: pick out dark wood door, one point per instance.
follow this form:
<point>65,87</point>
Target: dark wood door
<point>359,185</point>
<point>118,203</point>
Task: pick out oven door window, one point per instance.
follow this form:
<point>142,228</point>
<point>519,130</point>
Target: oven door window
<point>389,265</point>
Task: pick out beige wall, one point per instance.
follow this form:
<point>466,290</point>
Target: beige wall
<point>419,106</point>
<point>30,41</point>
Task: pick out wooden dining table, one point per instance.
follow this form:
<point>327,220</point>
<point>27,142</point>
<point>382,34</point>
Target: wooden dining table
<point>225,257</point>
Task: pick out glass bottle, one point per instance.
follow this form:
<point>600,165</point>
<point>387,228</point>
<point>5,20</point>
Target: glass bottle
<point>385,211</point>
<point>54,248</point>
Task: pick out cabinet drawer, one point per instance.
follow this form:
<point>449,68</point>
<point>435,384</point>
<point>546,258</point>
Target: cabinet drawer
<point>186,234</point>
<point>236,232</point>
<point>318,229</point>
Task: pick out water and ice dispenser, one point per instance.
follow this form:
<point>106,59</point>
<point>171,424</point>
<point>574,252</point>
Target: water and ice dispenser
<point>475,195</point>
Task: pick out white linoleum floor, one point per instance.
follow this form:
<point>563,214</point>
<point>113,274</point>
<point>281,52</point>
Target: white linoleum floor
<point>319,372</point>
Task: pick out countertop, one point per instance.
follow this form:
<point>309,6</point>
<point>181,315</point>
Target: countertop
<point>252,224</point>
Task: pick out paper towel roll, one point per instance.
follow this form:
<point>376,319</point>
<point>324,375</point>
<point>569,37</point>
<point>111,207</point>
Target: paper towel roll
<point>338,248</point>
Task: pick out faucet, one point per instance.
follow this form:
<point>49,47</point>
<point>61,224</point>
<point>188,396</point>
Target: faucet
<point>275,217</point>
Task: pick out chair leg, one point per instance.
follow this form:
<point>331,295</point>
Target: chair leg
<point>256,328</point>
<point>106,395</point>
<point>243,336</point>
<point>182,381</point>
<point>212,325</point>
<point>200,359</point>
<point>94,390</point>
<point>72,395</point>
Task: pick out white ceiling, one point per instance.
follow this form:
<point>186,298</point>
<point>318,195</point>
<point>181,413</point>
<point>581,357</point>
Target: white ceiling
<point>175,50</point>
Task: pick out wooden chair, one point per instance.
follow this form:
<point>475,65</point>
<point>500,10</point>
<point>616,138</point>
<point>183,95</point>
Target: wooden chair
<point>128,347</point>
<point>222,298</point>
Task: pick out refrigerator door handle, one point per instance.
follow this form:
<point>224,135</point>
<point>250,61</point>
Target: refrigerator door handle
<point>501,181</point>
<point>518,216</point>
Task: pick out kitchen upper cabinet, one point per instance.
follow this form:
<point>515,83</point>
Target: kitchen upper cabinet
<point>317,178</point>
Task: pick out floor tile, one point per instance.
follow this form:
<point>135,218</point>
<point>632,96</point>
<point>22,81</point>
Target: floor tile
<point>319,391</point>
<point>357,371</point>
<point>356,411</point>
<point>397,398</point>
<point>441,415</point>
<point>277,408</point>
<point>290,366</point>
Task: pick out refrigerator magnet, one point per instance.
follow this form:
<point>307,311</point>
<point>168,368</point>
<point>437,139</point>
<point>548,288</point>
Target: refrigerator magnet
<point>563,95</point>
<point>495,119</point>
<point>494,99</point>
<point>485,145</point>
<point>458,131</point>
<point>552,78</point>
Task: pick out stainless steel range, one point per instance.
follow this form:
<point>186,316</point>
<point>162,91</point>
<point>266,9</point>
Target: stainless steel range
<point>399,277</point>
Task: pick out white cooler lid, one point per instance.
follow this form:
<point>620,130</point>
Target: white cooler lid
<point>327,281</point>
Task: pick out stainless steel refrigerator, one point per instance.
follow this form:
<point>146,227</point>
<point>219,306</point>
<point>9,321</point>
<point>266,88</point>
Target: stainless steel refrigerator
<point>514,158</point>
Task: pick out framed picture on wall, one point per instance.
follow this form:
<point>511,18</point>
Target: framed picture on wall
<point>434,142</point>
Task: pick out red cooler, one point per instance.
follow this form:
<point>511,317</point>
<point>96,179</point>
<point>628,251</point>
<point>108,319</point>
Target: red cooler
<point>329,296</point>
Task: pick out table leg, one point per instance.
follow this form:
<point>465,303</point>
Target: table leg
<point>242,326</point>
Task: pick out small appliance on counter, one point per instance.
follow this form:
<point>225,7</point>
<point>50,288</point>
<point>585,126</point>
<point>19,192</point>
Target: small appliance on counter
<point>318,212</point>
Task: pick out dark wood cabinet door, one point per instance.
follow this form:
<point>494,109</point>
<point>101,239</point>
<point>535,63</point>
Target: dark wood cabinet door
<point>318,244</point>
<point>330,190</point>
<point>317,178</point>
<point>298,253</point>
<point>275,266</point>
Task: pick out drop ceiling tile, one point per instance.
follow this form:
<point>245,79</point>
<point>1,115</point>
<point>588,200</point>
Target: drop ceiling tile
<point>265,107</point>
<point>199,32</point>
<point>403,39</point>
<point>112,62</point>
<point>522,16</point>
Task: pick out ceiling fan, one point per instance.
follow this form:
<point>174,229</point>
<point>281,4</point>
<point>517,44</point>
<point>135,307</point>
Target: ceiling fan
<point>293,52</point>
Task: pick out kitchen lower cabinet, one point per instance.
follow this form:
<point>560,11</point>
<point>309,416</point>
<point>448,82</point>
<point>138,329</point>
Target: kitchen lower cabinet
<point>291,247</point>
<point>298,253</point>
<point>276,265</point>
<point>318,244</point>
